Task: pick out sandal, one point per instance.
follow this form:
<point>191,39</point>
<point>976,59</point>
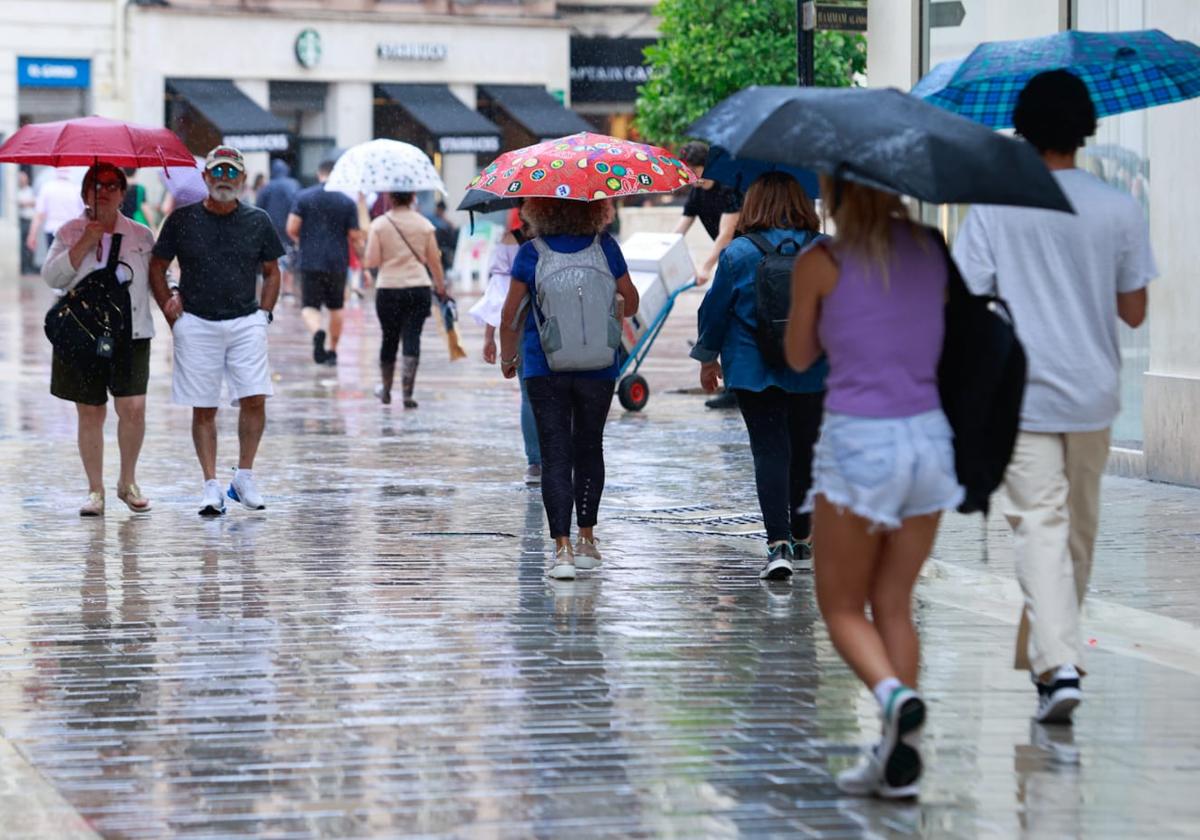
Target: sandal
<point>132,496</point>
<point>94,506</point>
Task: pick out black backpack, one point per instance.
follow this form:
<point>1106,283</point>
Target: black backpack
<point>773,293</point>
<point>86,322</point>
<point>981,380</point>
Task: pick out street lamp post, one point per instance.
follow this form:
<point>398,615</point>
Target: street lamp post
<point>806,25</point>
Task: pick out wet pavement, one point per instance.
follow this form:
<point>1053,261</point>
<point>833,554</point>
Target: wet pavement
<point>379,655</point>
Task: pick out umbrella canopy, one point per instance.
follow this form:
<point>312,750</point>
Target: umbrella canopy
<point>884,139</point>
<point>83,141</point>
<point>481,201</point>
<point>583,167</point>
<point>740,173</point>
<point>384,166</point>
<point>1124,71</point>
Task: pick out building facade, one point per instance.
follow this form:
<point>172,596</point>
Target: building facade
<point>1157,434</point>
<point>294,79</point>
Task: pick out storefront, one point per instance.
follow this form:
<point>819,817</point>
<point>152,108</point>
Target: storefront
<point>605,76</point>
<point>300,87</point>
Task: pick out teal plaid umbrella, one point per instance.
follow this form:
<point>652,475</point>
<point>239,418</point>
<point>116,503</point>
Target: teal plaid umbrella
<point>1124,71</point>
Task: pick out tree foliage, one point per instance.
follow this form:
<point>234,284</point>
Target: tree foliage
<point>710,49</point>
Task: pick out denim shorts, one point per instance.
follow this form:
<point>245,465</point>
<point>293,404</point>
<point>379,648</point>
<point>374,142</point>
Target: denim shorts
<point>886,469</point>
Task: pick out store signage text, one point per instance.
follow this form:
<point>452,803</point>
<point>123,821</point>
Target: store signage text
<point>608,69</point>
<point>456,145</point>
<point>54,72</point>
<point>258,142</point>
<point>398,51</point>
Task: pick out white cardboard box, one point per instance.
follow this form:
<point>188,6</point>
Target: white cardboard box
<point>652,299</point>
<point>665,254</point>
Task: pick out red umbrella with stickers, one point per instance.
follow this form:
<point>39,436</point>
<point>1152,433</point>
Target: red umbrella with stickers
<point>583,167</point>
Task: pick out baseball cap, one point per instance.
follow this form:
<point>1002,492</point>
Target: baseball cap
<point>225,154</point>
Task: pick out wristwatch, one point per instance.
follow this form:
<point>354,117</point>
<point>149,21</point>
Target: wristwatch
<point>270,314</point>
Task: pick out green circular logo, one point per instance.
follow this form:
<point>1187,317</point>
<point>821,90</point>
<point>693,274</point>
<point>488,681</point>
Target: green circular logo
<point>308,48</point>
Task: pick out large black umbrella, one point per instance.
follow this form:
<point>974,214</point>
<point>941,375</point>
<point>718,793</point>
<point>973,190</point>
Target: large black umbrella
<point>884,139</point>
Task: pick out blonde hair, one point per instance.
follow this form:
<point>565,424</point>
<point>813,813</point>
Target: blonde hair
<point>553,216</point>
<point>864,217</point>
<point>776,200</point>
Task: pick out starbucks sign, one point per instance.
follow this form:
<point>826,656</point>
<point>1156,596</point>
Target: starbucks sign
<point>308,48</point>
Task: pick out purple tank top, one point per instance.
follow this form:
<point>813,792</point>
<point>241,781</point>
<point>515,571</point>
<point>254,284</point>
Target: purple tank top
<point>884,337</point>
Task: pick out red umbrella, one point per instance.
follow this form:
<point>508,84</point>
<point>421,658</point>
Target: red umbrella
<point>584,167</point>
<point>84,141</point>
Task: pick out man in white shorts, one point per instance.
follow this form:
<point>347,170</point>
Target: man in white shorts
<point>218,323</point>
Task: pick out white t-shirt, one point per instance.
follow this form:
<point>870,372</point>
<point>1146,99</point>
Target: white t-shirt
<point>59,200</point>
<point>1061,274</point>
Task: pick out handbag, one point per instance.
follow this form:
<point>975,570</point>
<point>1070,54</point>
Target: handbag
<point>84,323</point>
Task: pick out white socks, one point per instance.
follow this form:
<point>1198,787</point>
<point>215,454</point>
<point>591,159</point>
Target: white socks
<point>883,690</point>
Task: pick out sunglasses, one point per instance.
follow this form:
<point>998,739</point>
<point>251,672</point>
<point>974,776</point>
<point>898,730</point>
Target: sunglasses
<point>108,186</point>
<point>224,172</point>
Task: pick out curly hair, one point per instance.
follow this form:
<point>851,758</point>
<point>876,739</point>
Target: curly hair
<point>554,216</point>
<point>1055,112</point>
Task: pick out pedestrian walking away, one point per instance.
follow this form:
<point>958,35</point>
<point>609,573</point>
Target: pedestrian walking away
<point>26,210</point>
<point>781,407</point>
<point>84,245</point>
<point>218,323</point>
<point>1068,279</point>
<point>57,203</point>
<point>883,471</point>
<point>487,312</point>
<point>277,197</point>
<point>401,244</point>
<point>325,224</point>
<point>717,207</point>
<point>561,324</point>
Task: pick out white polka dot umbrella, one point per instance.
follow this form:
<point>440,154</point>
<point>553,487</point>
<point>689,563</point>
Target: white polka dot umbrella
<point>384,166</point>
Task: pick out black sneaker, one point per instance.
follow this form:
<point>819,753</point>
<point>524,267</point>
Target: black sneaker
<point>726,399</point>
<point>330,358</point>
<point>803,554</point>
<point>779,562</point>
<point>319,347</point>
<point>1058,698</point>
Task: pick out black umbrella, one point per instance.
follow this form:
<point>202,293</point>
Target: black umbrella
<point>481,201</point>
<point>884,139</point>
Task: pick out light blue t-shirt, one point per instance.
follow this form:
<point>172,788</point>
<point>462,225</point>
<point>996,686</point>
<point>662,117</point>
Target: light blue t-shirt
<point>1061,274</point>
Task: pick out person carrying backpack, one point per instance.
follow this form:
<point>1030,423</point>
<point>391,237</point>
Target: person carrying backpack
<point>741,321</point>
<point>873,301</point>
<point>561,321</point>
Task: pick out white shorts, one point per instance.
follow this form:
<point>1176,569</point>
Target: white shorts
<point>886,469</point>
<point>208,353</point>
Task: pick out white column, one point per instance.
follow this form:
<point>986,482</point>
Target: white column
<point>893,43</point>
<point>352,112</point>
<point>259,90</point>
<point>1171,413</point>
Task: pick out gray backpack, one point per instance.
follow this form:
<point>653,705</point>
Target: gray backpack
<point>575,308</point>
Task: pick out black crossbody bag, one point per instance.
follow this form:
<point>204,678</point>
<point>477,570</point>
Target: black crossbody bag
<point>84,324</point>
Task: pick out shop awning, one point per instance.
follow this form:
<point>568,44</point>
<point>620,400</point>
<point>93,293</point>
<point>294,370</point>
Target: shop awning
<point>535,110</point>
<point>455,126</point>
<point>241,121</point>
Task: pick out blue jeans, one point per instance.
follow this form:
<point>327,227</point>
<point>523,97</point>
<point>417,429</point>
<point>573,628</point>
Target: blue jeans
<point>533,452</point>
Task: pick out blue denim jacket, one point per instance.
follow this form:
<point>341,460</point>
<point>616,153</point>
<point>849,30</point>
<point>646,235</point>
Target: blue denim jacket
<point>727,324</point>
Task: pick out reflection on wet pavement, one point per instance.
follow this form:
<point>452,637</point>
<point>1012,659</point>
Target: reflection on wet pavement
<point>378,654</point>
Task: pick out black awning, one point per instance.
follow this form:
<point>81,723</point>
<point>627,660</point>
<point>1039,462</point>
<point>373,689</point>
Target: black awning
<point>536,110</point>
<point>455,126</point>
<point>240,120</point>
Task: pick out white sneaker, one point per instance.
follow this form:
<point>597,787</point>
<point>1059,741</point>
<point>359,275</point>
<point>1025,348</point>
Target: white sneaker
<point>1058,699</point>
<point>892,768</point>
<point>563,567</point>
<point>587,555</point>
<point>213,503</point>
<point>533,475</point>
<point>242,489</point>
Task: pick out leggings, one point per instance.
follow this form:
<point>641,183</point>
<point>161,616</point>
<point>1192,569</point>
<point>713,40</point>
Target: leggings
<point>783,430</point>
<point>402,314</point>
<point>571,412</point>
